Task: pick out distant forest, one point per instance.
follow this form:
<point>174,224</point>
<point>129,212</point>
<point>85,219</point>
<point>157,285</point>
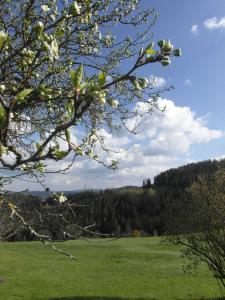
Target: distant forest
<point>130,210</point>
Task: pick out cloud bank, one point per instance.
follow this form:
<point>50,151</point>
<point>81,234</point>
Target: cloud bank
<point>164,141</point>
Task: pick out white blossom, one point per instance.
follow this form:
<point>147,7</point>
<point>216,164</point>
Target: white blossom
<point>101,100</point>
<point>45,8</point>
<point>22,167</point>
<point>53,50</point>
<point>62,198</point>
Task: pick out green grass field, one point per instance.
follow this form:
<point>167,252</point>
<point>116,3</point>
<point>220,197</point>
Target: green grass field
<point>132,268</point>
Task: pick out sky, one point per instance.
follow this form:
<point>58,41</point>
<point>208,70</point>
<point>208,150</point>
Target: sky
<point>191,129</point>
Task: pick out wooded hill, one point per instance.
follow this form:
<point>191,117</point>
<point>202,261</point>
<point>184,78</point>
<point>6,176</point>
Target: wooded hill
<point>145,209</point>
<point>132,210</point>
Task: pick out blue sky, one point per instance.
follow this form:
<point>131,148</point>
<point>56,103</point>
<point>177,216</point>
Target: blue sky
<point>193,127</point>
<point>199,76</point>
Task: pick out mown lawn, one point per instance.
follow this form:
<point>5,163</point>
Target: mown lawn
<point>132,268</point>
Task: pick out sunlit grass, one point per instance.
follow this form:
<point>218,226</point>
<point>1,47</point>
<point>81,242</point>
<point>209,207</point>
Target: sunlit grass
<point>134,268</point>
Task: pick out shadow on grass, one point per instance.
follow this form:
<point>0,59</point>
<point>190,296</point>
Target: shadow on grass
<point>220,298</point>
<point>98,298</point>
<point>117,298</point>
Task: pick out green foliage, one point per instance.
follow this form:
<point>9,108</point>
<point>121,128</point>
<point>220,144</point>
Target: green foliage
<point>150,51</point>
<point>3,38</point>
<point>77,77</point>
<point>20,97</point>
<point>101,79</point>
<point>203,237</point>
<point>59,154</point>
<point>182,177</point>
<point>2,117</point>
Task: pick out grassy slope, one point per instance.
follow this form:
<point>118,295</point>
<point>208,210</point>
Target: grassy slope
<point>140,268</point>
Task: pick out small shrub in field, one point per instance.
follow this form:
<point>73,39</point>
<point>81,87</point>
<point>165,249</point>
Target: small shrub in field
<point>136,233</point>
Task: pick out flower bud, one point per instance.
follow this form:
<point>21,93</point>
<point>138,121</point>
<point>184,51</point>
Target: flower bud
<point>168,47</point>
<point>75,8</point>
<point>177,52</point>
<point>165,61</point>
<point>30,53</point>
<point>45,46</point>
<point>45,8</point>
<point>113,103</point>
<point>137,85</point>
<point>2,88</point>
<point>101,100</point>
<point>143,82</point>
<point>161,43</point>
<point>40,26</point>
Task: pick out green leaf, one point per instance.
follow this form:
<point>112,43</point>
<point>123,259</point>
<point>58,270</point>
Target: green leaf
<point>3,38</point>
<point>59,154</point>
<point>1,150</point>
<point>70,108</point>
<point>77,77</point>
<point>150,51</point>
<point>80,72</point>
<point>40,167</point>
<point>60,29</point>
<point>2,117</point>
<point>73,76</point>
<point>23,94</point>
<point>101,79</point>
<point>59,32</point>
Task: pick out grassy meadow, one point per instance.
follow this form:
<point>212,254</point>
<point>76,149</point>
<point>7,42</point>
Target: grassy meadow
<point>131,268</point>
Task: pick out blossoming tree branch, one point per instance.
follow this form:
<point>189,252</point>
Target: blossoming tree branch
<point>63,65</point>
<point>60,67</point>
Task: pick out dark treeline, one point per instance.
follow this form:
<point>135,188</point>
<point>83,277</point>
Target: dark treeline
<point>145,209</point>
<point>120,212</point>
<point>128,211</point>
<point>184,176</point>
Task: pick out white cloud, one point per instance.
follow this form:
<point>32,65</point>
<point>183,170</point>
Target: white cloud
<point>215,23</point>
<point>157,82</point>
<point>188,82</point>
<point>165,141</point>
<point>195,29</point>
<point>178,129</point>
